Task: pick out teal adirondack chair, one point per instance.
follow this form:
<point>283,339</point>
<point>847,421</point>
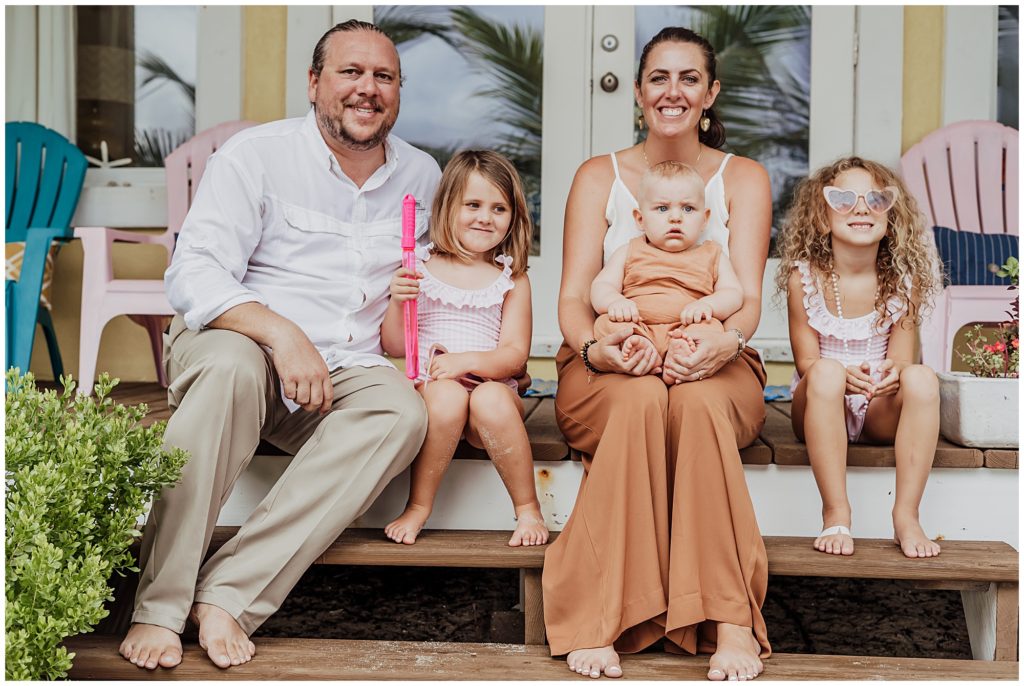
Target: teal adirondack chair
<point>44,176</point>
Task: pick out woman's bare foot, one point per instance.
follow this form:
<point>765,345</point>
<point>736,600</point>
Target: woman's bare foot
<point>593,662</point>
<point>911,538</point>
<point>149,645</point>
<point>407,527</point>
<point>637,345</point>
<point>737,656</point>
<point>530,529</point>
<point>221,637</point>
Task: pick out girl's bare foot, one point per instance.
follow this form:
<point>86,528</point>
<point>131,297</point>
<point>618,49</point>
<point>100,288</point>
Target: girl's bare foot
<point>593,662</point>
<point>737,656</point>
<point>530,529</point>
<point>221,637</point>
<point>832,539</point>
<point>911,538</point>
<point>407,527</point>
<point>149,645</point>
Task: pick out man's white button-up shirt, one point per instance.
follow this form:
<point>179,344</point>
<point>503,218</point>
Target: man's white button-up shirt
<point>276,221</point>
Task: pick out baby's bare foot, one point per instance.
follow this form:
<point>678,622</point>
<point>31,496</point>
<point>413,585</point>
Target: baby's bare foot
<point>407,527</point>
<point>221,636</point>
<point>911,538</point>
<point>593,662</point>
<point>638,345</point>
<point>530,529</point>
<point>149,645</point>
<point>737,655</point>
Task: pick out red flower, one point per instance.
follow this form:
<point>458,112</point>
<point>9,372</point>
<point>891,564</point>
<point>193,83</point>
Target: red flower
<point>999,347</point>
<point>1015,343</point>
<point>990,348</point>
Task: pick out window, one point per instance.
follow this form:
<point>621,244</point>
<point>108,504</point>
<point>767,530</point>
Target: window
<point>1007,69</point>
<point>135,81</point>
<point>473,78</point>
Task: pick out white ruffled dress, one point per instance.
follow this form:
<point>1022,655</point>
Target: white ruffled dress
<point>459,319</point>
<point>864,343</point>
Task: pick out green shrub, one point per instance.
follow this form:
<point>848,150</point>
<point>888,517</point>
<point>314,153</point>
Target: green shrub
<point>79,473</point>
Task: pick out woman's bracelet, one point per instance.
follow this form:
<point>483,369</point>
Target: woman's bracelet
<point>584,349</point>
<point>741,344</point>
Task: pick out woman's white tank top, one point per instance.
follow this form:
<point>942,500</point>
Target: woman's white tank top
<point>621,203</point>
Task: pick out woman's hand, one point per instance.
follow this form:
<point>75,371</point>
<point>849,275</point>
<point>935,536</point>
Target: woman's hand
<point>606,355</point>
<point>699,355</point>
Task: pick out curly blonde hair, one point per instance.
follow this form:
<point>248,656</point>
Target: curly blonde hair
<point>908,266</point>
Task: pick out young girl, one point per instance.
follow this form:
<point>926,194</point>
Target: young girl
<point>475,325</point>
<point>858,270</point>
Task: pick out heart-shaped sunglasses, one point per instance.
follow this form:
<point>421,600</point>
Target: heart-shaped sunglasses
<point>843,200</point>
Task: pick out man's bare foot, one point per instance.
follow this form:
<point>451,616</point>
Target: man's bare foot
<point>593,662</point>
<point>737,656</point>
<point>407,527</point>
<point>637,345</point>
<point>530,529</point>
<point>221,637</point>
<point>149,645</point>
<point>911,538</point>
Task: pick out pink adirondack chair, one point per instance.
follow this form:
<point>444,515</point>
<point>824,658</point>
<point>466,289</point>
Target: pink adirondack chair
<point>144,300</point>
<point>965,177</point>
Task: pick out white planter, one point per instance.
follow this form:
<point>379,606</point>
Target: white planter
<point>977,412</point>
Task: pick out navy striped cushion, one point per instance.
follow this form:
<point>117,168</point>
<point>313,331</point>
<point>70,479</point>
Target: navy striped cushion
<point>967,255</point>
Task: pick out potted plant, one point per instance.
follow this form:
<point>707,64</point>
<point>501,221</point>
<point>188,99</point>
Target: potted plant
<point>980,408</point>
<point>79,472</point>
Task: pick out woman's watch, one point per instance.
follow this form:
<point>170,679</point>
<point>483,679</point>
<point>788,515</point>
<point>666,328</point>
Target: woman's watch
<point>741,344</point>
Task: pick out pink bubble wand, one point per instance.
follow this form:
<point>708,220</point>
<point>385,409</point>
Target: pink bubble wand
<point>412,353</point>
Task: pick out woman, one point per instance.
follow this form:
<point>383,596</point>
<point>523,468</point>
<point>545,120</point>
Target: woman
<point>663,541</point>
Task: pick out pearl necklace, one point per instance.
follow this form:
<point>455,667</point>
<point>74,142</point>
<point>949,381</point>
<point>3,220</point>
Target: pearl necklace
<point>839,313</point>
<point>700,151</point>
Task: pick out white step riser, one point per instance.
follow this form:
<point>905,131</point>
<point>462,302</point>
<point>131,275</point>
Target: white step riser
<point>963,504</point>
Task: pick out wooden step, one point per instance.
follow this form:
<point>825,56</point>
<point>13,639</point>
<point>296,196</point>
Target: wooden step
<point>787,450</point>
<point>985,561</point>
<point>291,659</point>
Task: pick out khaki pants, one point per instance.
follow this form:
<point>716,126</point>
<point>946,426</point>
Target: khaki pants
<point>224,395</point>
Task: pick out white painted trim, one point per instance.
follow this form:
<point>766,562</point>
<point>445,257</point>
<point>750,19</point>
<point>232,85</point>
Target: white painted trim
<point>970,65</point>
<point>832,83</point>
<point>306,25</point>
<point>342,13</point>
<point>20,51</point>
<point>564,146</point>
<point>878,105</point>
<point>56,69</point>
<point>219,78</point>
<point>610,110</point>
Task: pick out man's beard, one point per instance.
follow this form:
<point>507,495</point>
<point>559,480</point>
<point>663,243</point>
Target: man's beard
<point>335,128</point>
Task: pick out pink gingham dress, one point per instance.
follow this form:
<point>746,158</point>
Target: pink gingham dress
<point>864,342</point>
<point>462,320</point>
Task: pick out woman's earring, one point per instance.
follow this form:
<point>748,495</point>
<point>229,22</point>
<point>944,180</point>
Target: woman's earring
<point>640,122</point>
<point>705,122</point>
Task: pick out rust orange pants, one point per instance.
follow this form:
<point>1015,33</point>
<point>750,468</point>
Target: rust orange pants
<point>662,541</point>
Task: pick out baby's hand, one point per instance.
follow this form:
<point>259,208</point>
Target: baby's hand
<point>696,311</point>
<point>624,310</point>
<point>405,285</point>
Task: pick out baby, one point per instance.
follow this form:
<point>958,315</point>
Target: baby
<point>661,281</point>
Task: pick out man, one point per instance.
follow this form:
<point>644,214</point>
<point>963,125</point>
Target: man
<point>280,279</point>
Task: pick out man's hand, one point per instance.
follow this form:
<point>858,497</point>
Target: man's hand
<point>624,310</point>
<point>302,370</point>
<point>697,311</point>
<point>405,285</point>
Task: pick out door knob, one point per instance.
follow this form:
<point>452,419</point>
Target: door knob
<point>609,82</point>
